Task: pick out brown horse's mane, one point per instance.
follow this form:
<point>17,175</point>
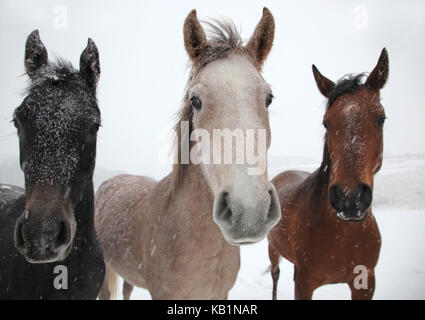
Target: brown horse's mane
<point>317,183</point>
<point>223,39</point>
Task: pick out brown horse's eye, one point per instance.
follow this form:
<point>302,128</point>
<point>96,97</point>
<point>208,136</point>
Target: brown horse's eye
<point>381,120</point>
<point>326,125</point>
<point>196,103</point>
<point>269,99</point>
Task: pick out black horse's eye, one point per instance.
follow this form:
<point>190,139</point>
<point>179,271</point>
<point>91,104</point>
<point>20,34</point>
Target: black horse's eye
<point>269,99</point>
<point>16,124</point>
<point>196,103</point>
<point>94,128</point>
<point>381,121</point>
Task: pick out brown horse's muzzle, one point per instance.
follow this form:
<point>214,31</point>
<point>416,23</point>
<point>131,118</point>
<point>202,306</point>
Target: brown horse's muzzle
<point>45,231</point>
<point>352,206</point>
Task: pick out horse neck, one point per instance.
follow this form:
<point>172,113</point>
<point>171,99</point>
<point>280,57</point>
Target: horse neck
<point>194,199</point>
<point>320,186</point>
<point>84,213</point>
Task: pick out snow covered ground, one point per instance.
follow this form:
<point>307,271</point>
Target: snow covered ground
<point>399,207</point>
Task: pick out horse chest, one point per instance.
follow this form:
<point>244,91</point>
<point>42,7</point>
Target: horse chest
<point>335,251</point>
<point>198,268</point>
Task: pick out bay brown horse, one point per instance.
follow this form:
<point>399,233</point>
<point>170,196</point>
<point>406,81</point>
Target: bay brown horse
<point>327,229</point>
<point>179,237</point>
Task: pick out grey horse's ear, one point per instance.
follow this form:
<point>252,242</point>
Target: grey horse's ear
<point>261,41</point>
<point>378,77</point>
<point>195,40</point>
<point>89,65</point>
<point>324,84</point>
<point>35,54</point>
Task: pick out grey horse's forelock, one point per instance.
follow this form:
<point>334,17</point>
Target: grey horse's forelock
<point>223,36</point>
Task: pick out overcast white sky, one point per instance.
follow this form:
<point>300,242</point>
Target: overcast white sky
<point>144,72</point>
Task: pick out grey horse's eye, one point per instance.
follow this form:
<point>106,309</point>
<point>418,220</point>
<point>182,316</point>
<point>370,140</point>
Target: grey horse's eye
<point>269,99</point>
<point>196,103</point>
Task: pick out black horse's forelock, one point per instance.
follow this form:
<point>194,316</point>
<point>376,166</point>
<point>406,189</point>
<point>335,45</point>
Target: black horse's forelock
<point>59,70</point>
<point>348,84</point>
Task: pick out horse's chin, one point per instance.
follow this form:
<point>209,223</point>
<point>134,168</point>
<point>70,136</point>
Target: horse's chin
<point>38,259</point>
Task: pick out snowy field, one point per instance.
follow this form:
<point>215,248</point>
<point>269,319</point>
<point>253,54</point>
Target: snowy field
<point>399,199</point>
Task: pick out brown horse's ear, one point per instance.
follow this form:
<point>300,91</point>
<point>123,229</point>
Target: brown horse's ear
<point>89,65</point>
<point>195,40</point>
<point>35,54</point>
<point>378,77</point>
<point>324,84</point>
<point>261,41</point>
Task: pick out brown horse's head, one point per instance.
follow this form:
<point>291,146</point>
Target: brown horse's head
<point>354,136</point>
<point>227,97</point>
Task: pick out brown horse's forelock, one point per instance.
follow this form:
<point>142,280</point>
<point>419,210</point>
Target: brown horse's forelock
<point>348,84</point>
<point>224,38</point>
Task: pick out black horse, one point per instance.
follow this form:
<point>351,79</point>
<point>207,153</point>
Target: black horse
<point>48,244</point>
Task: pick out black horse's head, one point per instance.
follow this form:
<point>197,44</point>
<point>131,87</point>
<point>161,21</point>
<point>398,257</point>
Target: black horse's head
<point>57,126</point>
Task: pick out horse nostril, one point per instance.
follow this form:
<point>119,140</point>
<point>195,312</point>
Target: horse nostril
<point>337,197</point>
<point>18,236</point>
<point>274,208</point>
<point>64,234</point>
<point>365,192</point>
<point>223,210</point>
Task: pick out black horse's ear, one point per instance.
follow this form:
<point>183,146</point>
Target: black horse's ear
<point>89,65</point>
<point>324,84</point>
<point>378,77</point>
<point>35,54</point>
<point>195,40</point>
<point>261,42</point>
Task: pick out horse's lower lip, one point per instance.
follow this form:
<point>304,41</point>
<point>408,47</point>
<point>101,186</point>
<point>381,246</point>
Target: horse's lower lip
<point>241,243</point>
<point>40,261</point>
<point>351,218</point>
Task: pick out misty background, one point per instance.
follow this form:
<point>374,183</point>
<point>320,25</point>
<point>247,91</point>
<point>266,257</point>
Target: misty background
<point>144,70</point>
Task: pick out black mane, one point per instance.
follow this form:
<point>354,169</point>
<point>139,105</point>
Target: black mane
<point>347,84</point>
